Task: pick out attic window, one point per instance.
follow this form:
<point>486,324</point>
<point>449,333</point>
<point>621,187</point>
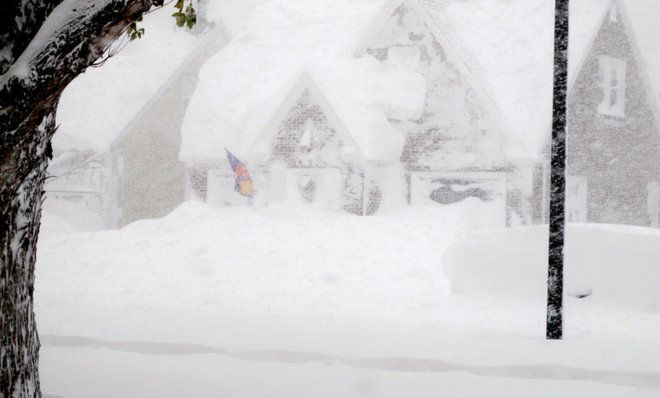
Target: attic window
<point>613,84</point>
<point>305,143</point>
<point>613,13</point>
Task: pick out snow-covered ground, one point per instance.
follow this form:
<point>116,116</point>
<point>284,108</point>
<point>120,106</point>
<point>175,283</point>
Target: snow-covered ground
<point>91,372</point>
<point>291,301</point>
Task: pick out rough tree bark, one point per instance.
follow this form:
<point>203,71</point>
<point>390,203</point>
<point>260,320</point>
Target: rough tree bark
<point>554,323</point>
<point>44,44</point>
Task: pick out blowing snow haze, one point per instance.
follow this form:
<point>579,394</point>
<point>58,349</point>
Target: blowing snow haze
<point>350,198</point>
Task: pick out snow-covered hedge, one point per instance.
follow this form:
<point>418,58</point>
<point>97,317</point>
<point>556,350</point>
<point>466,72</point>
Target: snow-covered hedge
<point>617,264</point>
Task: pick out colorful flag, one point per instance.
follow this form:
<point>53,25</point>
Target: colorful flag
<point>242,176</point>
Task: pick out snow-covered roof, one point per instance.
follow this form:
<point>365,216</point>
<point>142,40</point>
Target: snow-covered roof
<point>510,46</point>
<point>305,90</point>
<point>505,44</point>
<point>97,106</point>
<point>508,142</point>
<point>243,85</point>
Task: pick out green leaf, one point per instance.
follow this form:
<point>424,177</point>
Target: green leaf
<point>190,22</point>
<point>187,17</point>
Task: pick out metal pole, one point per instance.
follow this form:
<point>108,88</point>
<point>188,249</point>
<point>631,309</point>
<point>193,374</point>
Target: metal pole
<point>554,321</point>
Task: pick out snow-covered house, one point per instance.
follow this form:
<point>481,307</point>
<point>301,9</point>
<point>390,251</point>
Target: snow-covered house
<point>311,151</point>
<point>613,134</point>
<point>613,131</point>
<point>309,120</point>
<point>511,43</point>
<point>440,140</point>
<point>305,152</point>
<point>304,147</point>
<point>121,162</point>
<point>457,147</point>
<point>364,105</point>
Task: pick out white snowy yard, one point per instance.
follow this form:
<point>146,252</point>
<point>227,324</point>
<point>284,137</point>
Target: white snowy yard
<point>299,302</point>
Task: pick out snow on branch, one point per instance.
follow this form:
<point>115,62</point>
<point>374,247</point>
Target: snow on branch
<point>75,33</point>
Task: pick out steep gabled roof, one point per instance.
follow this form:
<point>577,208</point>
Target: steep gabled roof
<point>458,55</point>
<point>211,43</point>
<point>437,11</point>
<point>99,104</point>
<point>304,85</point>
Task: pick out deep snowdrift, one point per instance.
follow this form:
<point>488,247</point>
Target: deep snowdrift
<point>616,265</point>
<point>312,281</point>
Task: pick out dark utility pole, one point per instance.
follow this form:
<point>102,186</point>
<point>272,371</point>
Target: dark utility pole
<point>558,175</point>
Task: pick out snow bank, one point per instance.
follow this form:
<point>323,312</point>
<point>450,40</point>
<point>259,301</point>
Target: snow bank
<point>617,266</point>
<point>307,280</point>
<point>52,224</point>
<point>65,216</point>
<point>278,265</point>
<point>242,86</point>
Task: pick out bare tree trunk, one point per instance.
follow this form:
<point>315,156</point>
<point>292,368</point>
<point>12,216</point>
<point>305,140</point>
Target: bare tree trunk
<point>44,44</point>
<point>554,323</point>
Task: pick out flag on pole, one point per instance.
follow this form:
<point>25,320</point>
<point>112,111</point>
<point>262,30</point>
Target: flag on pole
<point>242,176</point>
